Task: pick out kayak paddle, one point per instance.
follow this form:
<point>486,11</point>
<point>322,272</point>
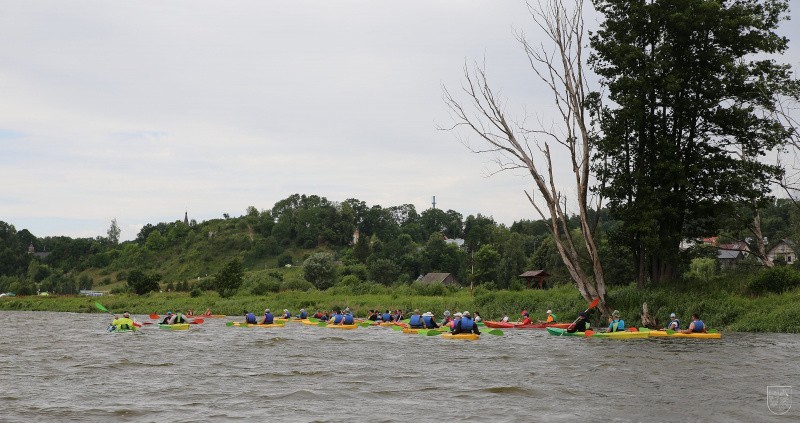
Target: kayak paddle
<point>495,332</point>
<point>100,306</point>
<point>197,321</point>
<point>593,304</point>
<point>322,324</point>
<point>396,327</point>
<point>155,316</point>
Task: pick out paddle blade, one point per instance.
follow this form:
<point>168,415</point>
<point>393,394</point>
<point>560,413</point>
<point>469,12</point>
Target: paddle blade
<point>589,333</point>
<point>594,303</point>
<point>229,324</point>
<point>396,327</point>
<point>197,321</point>
<point>154,316</point>
<point>495,332</point>
<point>322,324</point>
<point>100,306</point>
<point>313,320</point>
<point>632,330</point>
<point>365,324</point>
<point>433,333</point>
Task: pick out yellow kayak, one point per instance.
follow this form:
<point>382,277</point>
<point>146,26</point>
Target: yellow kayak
<point>332,326</point>
<point>257,325</point>
<point>663,333</point>
<point>176,326</point>
<point>466,336</point>
<point>621,335</point>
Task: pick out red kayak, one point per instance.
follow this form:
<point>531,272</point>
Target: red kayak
<point>507,325</point>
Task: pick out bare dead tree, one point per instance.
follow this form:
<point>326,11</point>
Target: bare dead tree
<point>560,66</point>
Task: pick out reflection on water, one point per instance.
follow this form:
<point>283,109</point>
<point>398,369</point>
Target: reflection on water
<point>66,367</point>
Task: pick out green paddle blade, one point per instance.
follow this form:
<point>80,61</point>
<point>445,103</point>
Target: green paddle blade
<point>495,332</point>
<point>670,332</point>
<point>365,324</point>
<point>313,320</point>
<point>433,332</point>
<point>322,324</point>
<point>229,324</point>
<point>396,327</point>
<point>644,330</point>
<point>100,306</point>
<point>712,331</point>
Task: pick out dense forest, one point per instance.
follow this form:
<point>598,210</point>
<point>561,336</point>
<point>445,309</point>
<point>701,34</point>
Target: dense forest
<point>334,243</point>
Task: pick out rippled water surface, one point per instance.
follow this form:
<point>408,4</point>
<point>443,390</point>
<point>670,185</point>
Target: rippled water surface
<point>66,367</point>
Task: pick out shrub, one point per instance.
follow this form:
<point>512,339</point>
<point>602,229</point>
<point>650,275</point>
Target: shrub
<point>777,280</point>
<point>296,284</point>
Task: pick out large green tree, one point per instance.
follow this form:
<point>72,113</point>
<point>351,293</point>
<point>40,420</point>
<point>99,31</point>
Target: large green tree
<point>692,93</point>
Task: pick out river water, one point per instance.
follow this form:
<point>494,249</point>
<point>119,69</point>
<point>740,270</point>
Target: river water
<point>65,367</point>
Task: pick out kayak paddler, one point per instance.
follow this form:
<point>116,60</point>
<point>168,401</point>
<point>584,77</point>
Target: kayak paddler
<point>303,314</point>
<point>123,323</point>
<point>428,321</point>
<point>348,318</point>
<point>697,325</point>
<point>526,318</point>
<point>337,318</point>
<point>286,314</point>
<point>387,317</point>
<point>674,322</point>
<point>208,312</point>
<point>268,318</point>
<point>415,322</point>
<point>551,318</point>
<point>465,325</point>
<point>250,318</point>
<point>168,319</point>
<point>579,325</point>
<point>179,317</point>
<point>617,324</point>
<point>447,321</point>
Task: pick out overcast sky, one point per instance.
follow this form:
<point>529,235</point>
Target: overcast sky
<point>142,110</point>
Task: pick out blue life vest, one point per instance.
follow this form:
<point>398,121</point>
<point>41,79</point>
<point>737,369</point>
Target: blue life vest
<point>415,321</point>
<point>620,326</point>
<point>250,318</point>
<point>677,324</point>
<point>348,319</point>
<point>303,314</point>
<point>268,318</point>
<point>287,315</point>
<point>428,321</point>
<point>699,326</point>
<point>337,318</point>
<point>387,317</point>
<point>466,324</point>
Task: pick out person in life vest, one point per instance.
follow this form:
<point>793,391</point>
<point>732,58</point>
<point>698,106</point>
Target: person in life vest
<point>268,318</point>
<point>250,318</point>
<point>325,317</point>
<point>697,325</point>
<point>303,314</point>
<point>169,319</point>
<point>179,317</point>
<point>318,315</point>
<point>348,318</point>
<point>674,323</point>
<point>123,323</point>
<point>579,325</point>
<point>428,321</point>
<point>207,312</point>
<point>447,320</point>
<point>617,324</point>
<point>454,322</point>
<point>551,318</point>
<point>189,313</point>
<point>387,317</point>
<point>337,318</point>
<point>478,317</point>
<point>286,314</point>
<point>526,318</point>
<point>415,322</point>
<point>465,325</point>
<point>373,316</point>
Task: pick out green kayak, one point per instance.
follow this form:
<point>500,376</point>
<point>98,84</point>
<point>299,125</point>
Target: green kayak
<point>563,332</point>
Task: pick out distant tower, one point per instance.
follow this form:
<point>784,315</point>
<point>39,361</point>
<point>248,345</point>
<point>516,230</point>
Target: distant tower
<point>186,218</point>
<point>434,201</point>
